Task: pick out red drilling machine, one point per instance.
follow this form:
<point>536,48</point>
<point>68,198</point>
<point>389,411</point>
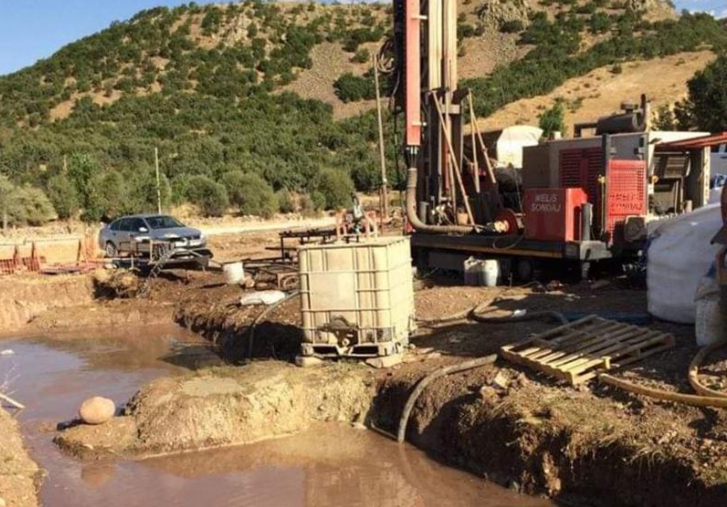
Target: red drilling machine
<point>574,201</point>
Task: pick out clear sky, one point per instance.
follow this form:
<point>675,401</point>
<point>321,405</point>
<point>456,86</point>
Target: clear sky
<point>35,29</point>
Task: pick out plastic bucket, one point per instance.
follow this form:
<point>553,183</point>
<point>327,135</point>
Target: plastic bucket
<point>234,273</point>
<point>489,272</point>
<point>472,269</point>
<point>711,322</point>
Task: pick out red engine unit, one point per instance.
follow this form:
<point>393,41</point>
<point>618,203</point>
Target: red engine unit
<point>624,183</point>
<point>554,214</point>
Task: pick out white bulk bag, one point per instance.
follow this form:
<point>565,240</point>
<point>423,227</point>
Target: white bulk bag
<point>679,254</point>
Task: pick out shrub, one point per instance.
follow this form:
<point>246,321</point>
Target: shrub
<point>552,120</point>
<point>600,22</point>
<point>286,203</point>
<point>663,118</point>
<point>512,26</point>
<point>366,175</point>
<point>24,205</point>
<point>361,56</point>
<point>465,30</point>
<point>63,195</point>
<point>350,88</point>
<point>317,200</point>
<point>251,194</point>
<point>142,191</point>
<point>308,207</point>
<point>336,188</point>
<point>210,196</point>
<point>708,97</point>
<point>107,197</point>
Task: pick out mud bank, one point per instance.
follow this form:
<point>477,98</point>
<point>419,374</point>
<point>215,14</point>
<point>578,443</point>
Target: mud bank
<point>609,447</point>
<point>227,406</point>
<point>23,298</point>
<point>37,303</point>
<point>19,475</point>
<point>215,314</point>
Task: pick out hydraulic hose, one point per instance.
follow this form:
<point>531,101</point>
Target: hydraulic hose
<point>413,217</point>
<point>694,400</point>
<point>423,383</point>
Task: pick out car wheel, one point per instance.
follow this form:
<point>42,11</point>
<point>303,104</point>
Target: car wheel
<point>110,250</point>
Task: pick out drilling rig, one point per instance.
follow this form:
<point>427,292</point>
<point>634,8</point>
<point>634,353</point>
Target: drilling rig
<point>574,202</point>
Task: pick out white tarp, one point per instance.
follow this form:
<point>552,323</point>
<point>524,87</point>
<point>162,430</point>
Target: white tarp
<point>263,297</point>
<point>680,253</point>
<point>511,142</point>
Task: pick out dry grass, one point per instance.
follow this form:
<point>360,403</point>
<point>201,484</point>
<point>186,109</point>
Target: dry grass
<point>663,80</point>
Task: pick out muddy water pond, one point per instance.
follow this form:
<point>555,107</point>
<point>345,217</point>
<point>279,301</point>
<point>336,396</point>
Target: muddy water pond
<point>329,465</point>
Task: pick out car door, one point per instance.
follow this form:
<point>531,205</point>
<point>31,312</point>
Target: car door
<point>121,235</point>
<point>138,229</point>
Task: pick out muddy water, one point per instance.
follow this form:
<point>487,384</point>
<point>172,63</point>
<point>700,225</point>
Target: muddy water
<point>327,466</point>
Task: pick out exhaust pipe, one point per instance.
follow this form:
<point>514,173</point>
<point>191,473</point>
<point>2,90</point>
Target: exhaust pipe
<point>413,217</point>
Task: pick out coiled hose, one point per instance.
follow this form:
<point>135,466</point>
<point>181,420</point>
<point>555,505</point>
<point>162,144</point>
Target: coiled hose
<point>705,397</point>
<point>694,371</point>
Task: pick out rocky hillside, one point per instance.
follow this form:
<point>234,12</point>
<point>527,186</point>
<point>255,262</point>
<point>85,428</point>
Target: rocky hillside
<point>230,49</point>
<point>277,97</point>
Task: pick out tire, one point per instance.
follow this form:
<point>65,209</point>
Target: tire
<point>110,250</point>
<point>525,270</point>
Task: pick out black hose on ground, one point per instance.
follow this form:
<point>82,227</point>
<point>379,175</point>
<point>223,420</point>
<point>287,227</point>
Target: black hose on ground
<point>423,383</point>
<point>526,317</point>
<point>262,316</point>
<point>476,314</point>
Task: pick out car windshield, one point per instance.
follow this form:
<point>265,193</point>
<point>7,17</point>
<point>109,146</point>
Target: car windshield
<point>163,222</point>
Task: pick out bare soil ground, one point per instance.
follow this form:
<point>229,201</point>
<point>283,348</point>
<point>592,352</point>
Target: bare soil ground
<point>19,474</point>
<point>330,62</point>
<point>533,434</point>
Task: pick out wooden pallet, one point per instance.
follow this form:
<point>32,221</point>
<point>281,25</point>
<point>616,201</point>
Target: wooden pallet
<point>578,351</point>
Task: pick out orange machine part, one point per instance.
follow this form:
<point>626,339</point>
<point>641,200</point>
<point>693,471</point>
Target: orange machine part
<point>554,214</point>
<point>413,73</point>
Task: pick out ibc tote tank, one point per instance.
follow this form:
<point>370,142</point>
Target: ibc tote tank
<point>357,299</point>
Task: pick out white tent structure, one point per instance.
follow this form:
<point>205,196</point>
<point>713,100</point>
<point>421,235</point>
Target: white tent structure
<point>511,142</point>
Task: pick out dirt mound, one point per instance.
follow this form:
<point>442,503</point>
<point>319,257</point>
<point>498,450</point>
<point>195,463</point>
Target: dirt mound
<point>112,284</point>
<point>229,406</point>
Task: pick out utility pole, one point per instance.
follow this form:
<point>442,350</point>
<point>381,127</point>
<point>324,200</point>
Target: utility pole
<point>159,189</point>
<point>382,153</point>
